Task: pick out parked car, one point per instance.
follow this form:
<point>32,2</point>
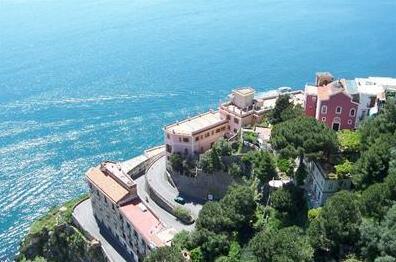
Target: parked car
<point>180,200</point>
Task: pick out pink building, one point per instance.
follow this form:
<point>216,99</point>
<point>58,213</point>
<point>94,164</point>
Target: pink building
<point>331,104</point>
<point>195,135</point>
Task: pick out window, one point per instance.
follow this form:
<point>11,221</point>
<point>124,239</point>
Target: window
<point>324,109</point>
<point>197,138</point>
<point>352,112</point>
<point>228,117</point>
<point>185,139</point>
<point>168,148</point>
<point>235,130</point>
<point>207,134</point>
<point>212,132</point>
<point>323,119</point>
<point>236,120</point>
<point>338,110</point>
<point>185,151</point>
<point>223,128</point>
<point>201,136</point>
<point>217,130</point>
<point>349,122</point>
<point>168,136</point>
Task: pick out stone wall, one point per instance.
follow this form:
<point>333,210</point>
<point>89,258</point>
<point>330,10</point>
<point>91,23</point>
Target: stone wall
<point>203,184</point>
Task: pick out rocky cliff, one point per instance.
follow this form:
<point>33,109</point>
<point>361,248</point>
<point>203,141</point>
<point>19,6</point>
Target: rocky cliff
<point>54,237</point>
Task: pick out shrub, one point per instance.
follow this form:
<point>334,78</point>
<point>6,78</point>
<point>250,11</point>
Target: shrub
<point>182,214</point>
<point>250,137</point>
<point>344,169</point>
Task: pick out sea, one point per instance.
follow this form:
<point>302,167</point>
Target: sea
<point>93,80</point>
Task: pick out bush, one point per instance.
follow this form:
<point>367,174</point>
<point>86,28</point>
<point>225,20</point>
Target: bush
<point>251,137</point>
<point>182,214</point>
<point>344,169</point>
<point>284,165</point>
<point>235,170</point>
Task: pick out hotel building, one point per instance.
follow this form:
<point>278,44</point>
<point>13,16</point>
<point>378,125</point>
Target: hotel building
<point>120,211</point>
<point>197,134</point>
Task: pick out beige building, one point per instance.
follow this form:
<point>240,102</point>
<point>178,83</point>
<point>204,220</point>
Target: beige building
<point>118,208</point>
<point>195,135</point>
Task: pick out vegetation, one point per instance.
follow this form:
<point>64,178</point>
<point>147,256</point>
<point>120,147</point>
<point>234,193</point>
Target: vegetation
<point>183,214</point>
<point>349,140</point>
<point>303,137</point>
<point>359,225</point>
<point>250,137</point>
<point>53,237</point>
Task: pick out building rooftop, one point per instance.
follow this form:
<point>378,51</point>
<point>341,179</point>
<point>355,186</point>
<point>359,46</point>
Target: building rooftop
<point>197,123</point>
<point>130,164</point>
<point>369,86</point>
<point>324,92</point>
<point>245,91</point>
<point>147,224</point>
<point>107,184</point>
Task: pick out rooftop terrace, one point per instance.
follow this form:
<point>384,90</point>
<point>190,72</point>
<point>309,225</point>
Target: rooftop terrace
<point>197,123</point>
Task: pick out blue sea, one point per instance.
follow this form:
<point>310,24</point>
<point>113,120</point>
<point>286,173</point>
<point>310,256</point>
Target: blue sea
<point>86,81</point>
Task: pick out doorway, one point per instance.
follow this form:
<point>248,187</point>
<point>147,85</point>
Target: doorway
<point>336,126</point>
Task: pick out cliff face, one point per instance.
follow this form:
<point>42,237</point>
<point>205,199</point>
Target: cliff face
<point>54,238</point>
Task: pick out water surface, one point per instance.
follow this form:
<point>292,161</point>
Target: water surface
<point>85,81</point>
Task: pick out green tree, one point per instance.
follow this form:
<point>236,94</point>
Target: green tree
<point>264,167</point>
<point>337,225</point>
<point>197,255</point>
<point>349,141</point>
<point>239,206</point>
<point>292,111</point>
<point>301,174</point>
<point>222,147</point>
<point>235,170</point>
<point>213,217</point>
<point>383,123</point>
<point>290,203</point>
<point>373,164</point>
<point>211,244</point>
<point>344,169</point>
<point>286,244</point>
<point>210,161</point>
<point>165,254</point>
<point>303,136</point>
<point>375,200</point>
<point>282,102</point>
<point>176,162</point>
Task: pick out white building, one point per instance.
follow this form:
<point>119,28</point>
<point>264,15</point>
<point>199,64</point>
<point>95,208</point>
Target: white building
<point>322,183</point>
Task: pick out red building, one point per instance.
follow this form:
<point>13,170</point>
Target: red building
<point>330,103</point>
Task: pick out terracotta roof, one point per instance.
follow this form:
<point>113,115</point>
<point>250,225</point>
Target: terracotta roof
<point>144,222</point>
<point>105,183</point>
<point>324,92</point>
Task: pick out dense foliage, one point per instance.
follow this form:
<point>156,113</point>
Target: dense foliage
<point>303,136</point>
